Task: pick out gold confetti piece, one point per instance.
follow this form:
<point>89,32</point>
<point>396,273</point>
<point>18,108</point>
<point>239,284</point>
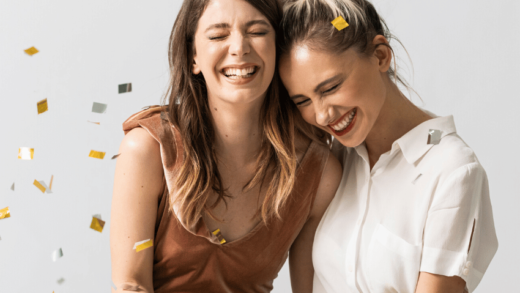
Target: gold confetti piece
<point>25,153</point>
<point>47,189</point>
<point>116,156</point>
<point>5,213</point>
<point>97,224</point>
<point>219,236</point>
<point>39,185</point>
<point>57,254</point>
<point>31,51</point>
<point>42,106</point>
<point>125,88</point>
<point>142,245</point>
<point>339,23</point>
<point>50,184</point>
<point>97,155</point>
<point>98,123</point>
<point>12,187</point>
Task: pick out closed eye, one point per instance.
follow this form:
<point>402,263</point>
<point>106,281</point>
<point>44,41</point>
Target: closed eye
<point>331,89</point>
<point>302,102</point>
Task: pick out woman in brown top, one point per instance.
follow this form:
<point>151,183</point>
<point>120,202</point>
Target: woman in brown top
<point>226,179</point>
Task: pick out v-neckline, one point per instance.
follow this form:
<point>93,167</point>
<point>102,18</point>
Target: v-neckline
<point>258,225</point>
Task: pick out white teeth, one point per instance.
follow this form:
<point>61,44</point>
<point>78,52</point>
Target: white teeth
<point>244,72</point>
<point>345,123</point>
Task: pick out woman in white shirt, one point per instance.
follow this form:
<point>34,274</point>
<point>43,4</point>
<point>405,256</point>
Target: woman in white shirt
<point>412,213</point>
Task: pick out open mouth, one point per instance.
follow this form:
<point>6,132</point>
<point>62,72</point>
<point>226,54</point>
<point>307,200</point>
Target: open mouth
<point>239,73</point>
<point>345,123</point>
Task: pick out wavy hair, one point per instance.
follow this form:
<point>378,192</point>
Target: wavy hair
<point>189,112</point>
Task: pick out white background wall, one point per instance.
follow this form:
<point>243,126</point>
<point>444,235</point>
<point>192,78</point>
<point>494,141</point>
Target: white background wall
<point>466,60</point>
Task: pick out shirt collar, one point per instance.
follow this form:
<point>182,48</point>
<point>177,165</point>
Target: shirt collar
<point>414,144</point>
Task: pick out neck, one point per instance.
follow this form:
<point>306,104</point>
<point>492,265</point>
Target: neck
<point>398,116</point>
<point>238,132</point>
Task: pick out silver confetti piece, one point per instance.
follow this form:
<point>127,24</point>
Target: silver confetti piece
<point>125,88</point>
<point>57,254</point>
<point>98,216</point>
<point>434,136</point>
<point>12,187</point>
<point>99,108</point>
<point>47,189</point>
<point>61,280</point>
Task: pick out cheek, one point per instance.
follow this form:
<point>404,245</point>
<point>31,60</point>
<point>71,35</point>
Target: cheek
<point>308,115</point>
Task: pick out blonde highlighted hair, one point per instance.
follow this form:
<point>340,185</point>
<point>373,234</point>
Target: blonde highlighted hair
<point>309,22</point>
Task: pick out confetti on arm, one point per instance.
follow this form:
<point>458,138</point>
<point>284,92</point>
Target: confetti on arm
<point>97,155</point>
<point>31,51</point>
<point>99,108</point>
<point>339,23</point>
<point>42,106</point>
<point>25,153</point>
<point>142,245</point>
<point>125,88</point>
<point>97,224</point>
<point>39,185</point>
<point>57,254</point>
<point>5,213</point>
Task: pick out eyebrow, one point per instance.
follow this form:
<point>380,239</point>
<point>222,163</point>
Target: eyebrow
<point>318,86</point>
<point>226,25</point>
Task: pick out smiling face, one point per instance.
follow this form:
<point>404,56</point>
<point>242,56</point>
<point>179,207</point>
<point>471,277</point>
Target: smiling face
<point>234,51</point>
<point>340,93</point>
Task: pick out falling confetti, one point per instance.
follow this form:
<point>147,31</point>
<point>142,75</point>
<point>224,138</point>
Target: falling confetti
<point>60,281</point>
<point>42,106</point>
<point>57,254</point>
<point>31,51</point>
<point>97,224</point>
<point>12,187</point>
<point>5,213</point>
<point>142,245</point>
<point>25,153</point>
<point>125,88</point>
<point>339,23</point>
<point>97,155</point>
<point>39,185</point>
<point>99,108</point>
<point>114,157</point>
<point>113,285</point>
<point>50,184</point>
<point>98,123</point>
<point>434,136</point>
<point>219,236</point>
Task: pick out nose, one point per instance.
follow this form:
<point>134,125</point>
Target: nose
<point>324,113</point>
<point>239,45</point>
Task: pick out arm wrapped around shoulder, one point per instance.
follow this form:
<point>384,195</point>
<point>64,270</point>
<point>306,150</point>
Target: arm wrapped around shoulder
<point>459,236</point>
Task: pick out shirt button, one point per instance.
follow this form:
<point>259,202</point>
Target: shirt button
<point>465,272</point>
<point>469,264</point>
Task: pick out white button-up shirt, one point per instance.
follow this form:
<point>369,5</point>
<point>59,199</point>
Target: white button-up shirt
<point>417,210</point>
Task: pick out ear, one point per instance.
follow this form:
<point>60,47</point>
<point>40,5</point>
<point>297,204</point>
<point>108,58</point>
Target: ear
<point>195,69</point>
<point>383,53</point>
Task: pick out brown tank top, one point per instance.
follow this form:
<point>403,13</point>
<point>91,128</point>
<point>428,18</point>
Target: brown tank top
<point>191,259</point>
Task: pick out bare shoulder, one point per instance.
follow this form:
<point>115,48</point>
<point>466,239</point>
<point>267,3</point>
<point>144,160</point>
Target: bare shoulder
<point>140,161</point>
<point>301,144</point>
<point>330,180</point>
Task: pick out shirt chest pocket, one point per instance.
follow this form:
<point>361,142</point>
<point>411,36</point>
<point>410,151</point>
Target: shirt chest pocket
<point>392,263</point>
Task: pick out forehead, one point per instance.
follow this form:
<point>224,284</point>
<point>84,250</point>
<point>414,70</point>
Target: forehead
<point>303,68</point>
<point>230,12</point>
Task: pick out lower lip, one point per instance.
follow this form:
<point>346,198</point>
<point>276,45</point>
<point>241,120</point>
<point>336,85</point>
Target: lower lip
<point>242,80</point>
<point>349,127</point>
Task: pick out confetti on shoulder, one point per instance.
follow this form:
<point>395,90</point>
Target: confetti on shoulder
<point>142,245</point>
<point>339,23</point>
<point>5,213</point>
<point>31,51</point>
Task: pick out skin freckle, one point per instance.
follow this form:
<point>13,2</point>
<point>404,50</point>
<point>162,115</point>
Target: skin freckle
<point>215,109</point>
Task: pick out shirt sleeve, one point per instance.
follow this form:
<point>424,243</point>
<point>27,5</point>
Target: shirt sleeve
<point>459,235</point>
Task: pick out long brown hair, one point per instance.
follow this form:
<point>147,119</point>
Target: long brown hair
<point>189,112</point>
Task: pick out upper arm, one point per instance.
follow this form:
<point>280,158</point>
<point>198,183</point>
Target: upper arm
<point>137,186</point>
<point>300,256</point>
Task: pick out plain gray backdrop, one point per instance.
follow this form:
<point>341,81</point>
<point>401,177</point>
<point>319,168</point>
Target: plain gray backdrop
<point>466,60</point>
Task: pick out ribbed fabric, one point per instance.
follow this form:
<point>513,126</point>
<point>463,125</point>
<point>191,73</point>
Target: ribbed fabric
<point>191,259</point>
